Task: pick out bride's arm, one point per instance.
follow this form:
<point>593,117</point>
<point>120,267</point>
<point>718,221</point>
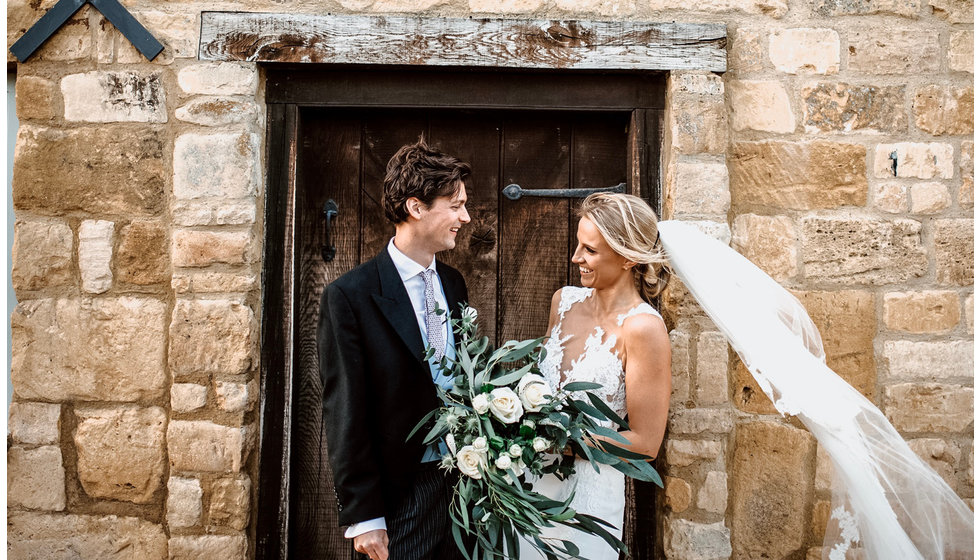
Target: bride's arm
<point>647,359</point>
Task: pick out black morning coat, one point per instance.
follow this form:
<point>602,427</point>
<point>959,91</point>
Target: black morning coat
<point>376,386</point>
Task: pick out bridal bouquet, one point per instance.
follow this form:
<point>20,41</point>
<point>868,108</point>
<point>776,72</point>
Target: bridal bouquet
<point>502,422</point>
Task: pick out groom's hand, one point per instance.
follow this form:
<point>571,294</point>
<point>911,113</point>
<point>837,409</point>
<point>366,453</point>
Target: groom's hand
<point>373,543</point>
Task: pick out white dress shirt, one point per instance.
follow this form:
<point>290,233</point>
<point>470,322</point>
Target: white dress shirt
<point>410,273</point>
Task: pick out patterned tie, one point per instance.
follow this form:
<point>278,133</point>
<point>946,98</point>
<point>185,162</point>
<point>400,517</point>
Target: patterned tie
<point>433,322</point>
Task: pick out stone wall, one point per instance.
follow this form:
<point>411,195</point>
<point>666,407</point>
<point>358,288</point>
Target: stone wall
<point>836,153</point>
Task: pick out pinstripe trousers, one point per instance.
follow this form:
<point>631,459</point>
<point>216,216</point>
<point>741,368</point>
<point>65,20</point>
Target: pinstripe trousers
<point>420,528</point>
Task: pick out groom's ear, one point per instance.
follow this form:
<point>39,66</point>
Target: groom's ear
<point>414,207</point>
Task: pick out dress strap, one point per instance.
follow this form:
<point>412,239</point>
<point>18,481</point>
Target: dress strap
<point>643,308</point>
<point>570,295</point>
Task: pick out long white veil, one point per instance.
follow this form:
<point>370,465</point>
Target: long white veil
<point>891,504</point>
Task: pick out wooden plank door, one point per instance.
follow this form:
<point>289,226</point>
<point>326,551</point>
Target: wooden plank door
<point>513,255</point>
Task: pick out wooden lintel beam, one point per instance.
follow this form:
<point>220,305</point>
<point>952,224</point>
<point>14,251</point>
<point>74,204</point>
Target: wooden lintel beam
<point>474,42</point>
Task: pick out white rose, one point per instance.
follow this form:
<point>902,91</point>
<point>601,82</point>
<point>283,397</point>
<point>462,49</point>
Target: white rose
<point>470,461</point>
<point>470,313</point>
<point>534,392</point>
<point>540,444</point>
<point>519,467</point>
<point>481,404</point>
<point>503,462</point>
<point>515,451</point>
<point>451,443</point>
<point>505,405</point>
<point>480,444</point>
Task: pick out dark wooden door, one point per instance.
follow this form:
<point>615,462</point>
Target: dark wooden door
<point>513,255</point>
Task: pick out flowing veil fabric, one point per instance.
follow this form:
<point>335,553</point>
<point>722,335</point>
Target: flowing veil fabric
<point>888,502</point>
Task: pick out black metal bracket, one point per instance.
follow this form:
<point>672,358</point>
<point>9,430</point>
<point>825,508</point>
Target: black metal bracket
<point>515,192</point>
<point>330,211</point>
<point>113,11</point>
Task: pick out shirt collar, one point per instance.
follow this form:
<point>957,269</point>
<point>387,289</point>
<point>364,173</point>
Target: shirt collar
<point>405,266</point>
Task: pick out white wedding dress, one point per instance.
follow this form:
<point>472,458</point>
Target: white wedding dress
<point>580,350</point>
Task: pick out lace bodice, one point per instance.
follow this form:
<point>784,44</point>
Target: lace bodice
<point>599,360</point>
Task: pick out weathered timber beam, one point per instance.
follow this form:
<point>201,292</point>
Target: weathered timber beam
<point>507,43</point>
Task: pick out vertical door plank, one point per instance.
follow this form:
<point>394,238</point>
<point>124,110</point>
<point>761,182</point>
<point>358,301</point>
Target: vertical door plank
<point>384,132</point>
<point>329,169</point>
<point>474,137</point>
<point>598,147</point>
<point>533,231</point>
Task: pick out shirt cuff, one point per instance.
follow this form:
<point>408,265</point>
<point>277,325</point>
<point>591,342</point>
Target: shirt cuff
<point>365,526</point>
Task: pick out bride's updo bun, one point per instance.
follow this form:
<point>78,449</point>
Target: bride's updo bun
<point>629,226</point>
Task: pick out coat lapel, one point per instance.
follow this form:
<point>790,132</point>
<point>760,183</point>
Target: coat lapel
<point>396,307</point>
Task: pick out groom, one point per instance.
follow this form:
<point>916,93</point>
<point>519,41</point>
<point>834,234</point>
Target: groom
<point>376,323</point>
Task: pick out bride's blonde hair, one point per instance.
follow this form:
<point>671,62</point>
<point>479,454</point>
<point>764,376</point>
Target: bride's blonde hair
<point>629,226</point>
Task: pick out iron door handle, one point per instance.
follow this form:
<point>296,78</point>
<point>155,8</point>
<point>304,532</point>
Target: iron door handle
<point>515,192</point>
<point>330,211</point>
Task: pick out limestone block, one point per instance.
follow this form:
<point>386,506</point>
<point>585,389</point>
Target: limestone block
<point>847,322</point>
<point>943,110</point>
<point>891,197</point>
<point>746,54</point>
<point>695,421</point>
<point>142,256</point>
<point>798,176</point>
<point>680,359</point>
<point>42,254</point>
<point>215,211</point>
<point>943,456</point>
<point>205,446</point>
<point>114,97</point>
<point>968,312</point>
<point>701,187</point>
<point>841,107</point>
<point>761,105</point>
<point>108,349</point>
<point>216,111</point>
<point>188,397</point>
<point>834,8</point>
<point>230,498</point>
<point>213,282</point>
<point>712,369</point>
<point>95,255</point>
<point>772,8</point>
<point>769,242</point>
<point>233,397</point>
<point>960,56</point>
<point>71,42</point>
<point>805,51</point>
<point>212,336</point>
<point>965,197</point>
<point>677,493</point>
<point>34,423</point>
<point>921,312</point>
<point>696,82</point>
<point>398,5</point>
<point>821,515</point>
<point>178,32</point>
<point>954,252</point>
<point>219,165</point>
<point>910,159</point>
<point>505,6</point>
<point>953,11</point>
<point>682,452</point>
<point>183,502</point>
<point>36,478</point>
<point>747,394</point>
<point>36,98</point>
<point>219,78</point>
<point>38,536</point>
<point>824,476</point>
<point>930,198</point>
<point>713,495</point>
<point>929,407</point>
<point>885,50</point>
<point>121,452</point>
<point>770,499</point>
<point>193,248</point>
<point>698,123</point>
<point>100,170</point>
<point>862,250</point>
<point>209,547</point>
<point>687,540</point>
<point>609,8</point>
<point>928,361</point>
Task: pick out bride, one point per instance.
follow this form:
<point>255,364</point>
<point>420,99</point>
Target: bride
<point>607,332</point>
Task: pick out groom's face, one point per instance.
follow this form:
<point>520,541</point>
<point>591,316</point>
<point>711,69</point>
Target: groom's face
<point>439,224</point>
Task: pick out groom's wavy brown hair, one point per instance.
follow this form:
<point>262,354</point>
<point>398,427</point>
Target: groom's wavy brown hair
<point>419,171</point>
